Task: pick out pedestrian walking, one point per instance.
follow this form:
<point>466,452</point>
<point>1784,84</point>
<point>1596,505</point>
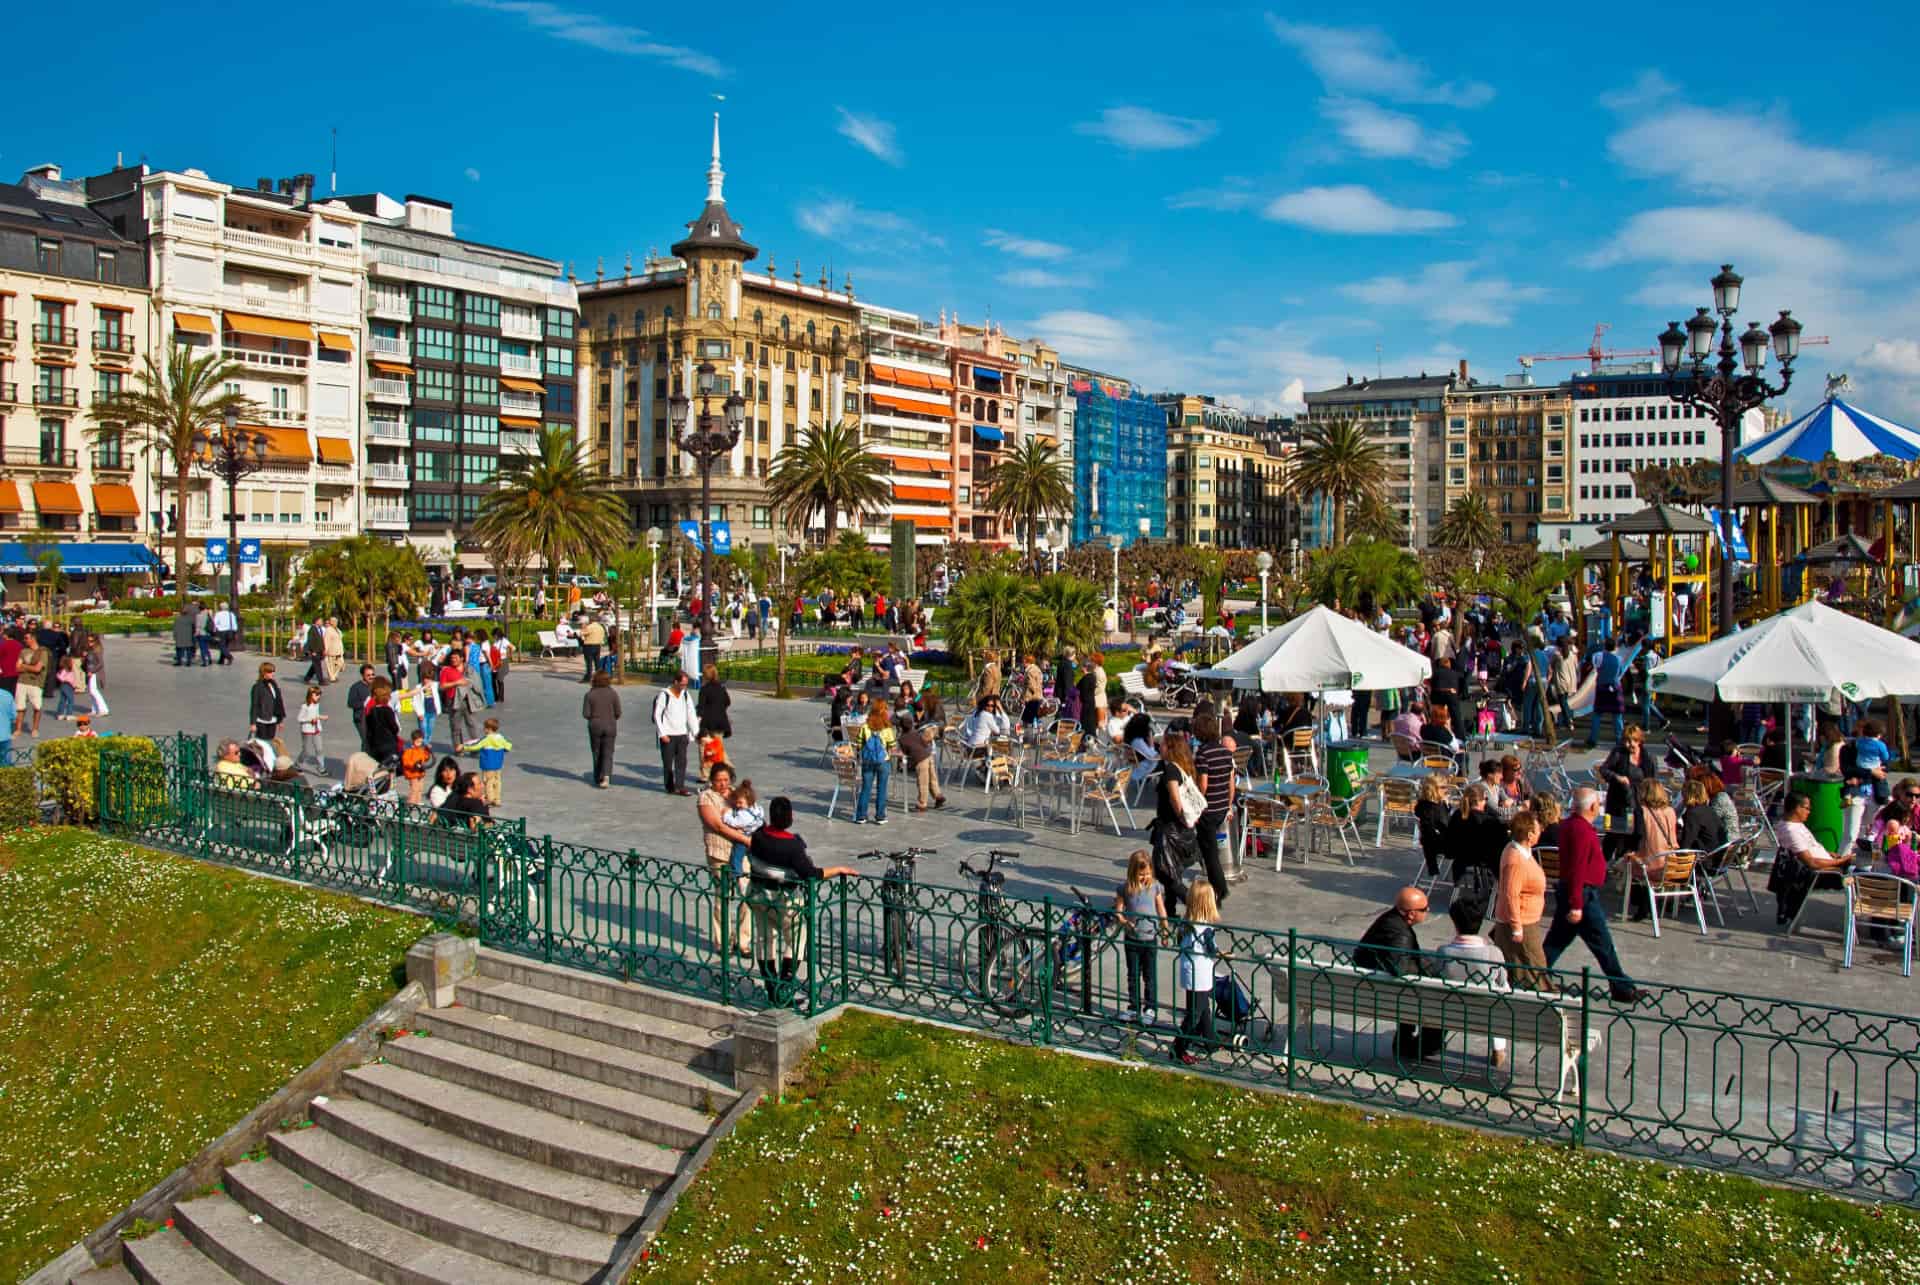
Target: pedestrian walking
<point>357,697</point>
<point>593,636</point>
<point>94,665</point>
<point>312,722</point>
<point>491,750</point>
<point>460,699</point>
<point>715,722</point>
<point>226,631</point>
<point>600,707</point>
<point>266,710</point>
<point>203,634</point>
<point>314,648</point>
<point>675,720</point>
<point>183,624</point>
<point>31,691</point>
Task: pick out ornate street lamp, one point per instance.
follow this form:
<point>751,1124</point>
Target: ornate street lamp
<point>1715,384</point>
<point>1114,541</point>
<point>707,440</point>
<point>653,580</point>
<point>1264,561</point>
<point>231,453</point>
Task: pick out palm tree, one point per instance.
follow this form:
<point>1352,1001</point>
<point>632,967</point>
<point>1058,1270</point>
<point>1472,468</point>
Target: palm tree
<point>556,507</point>
<point>1077,607</point>
<point>984,611</point>
<point>1468,524</point>
<point>1375,519</point>
<point>1372,569</point>
<point>826,470</point>
<point>1026,484</point>
<point>1338,460</point>
<point>163,412</point>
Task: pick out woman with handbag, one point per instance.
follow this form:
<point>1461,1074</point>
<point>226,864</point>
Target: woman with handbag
<point>1178,804</point>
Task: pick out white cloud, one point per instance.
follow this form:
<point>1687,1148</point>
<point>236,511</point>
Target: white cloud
<point>1710,235</point>
<point>596,32</point>
<point>1374,131</point>
<point>1362,60</point>
<point>1446,293</point>
<point>1648,88</point>
<point>871,134</point>
<point>473,175</point>
<point>838,219</point>
<point>1229,194</point>
<point>1897,357</point>
<point>1145,130</point>
<point>1352,209</point>
<point>1041,279</point>
<point>1026,247</point>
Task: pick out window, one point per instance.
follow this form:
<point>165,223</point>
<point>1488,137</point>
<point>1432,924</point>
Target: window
<point>433,466</point>
<point>853,367</point>
<point>1203,486</point>
<point>433,301</point>
<point>713,312</point>
<point>103,265</point>
<point>809,332</point>
<point>482,350</point>
<point>814,399</point>
<point>850,404</point>
<point>559,325</point>
<point>786,333</point>
<point>559,361</point>
<point>762,518</point>
<point>965,494</point>
<point>483,390</point>
<point>560,401</point>
<point>789,392</point>
<point>478,470</point>
<point>48,251</point>
<point>432,342</point>
<point>479,430</point>
<point>433,426</point>
<point>429,506</point>
<point>715,348</point>
<point>434,385</point>
<point>764,394</point>
<point>482,310</point>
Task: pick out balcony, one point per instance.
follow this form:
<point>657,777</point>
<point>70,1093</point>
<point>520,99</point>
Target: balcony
<point>390,475</point>
<point>387,430</point>
<point>107,459</point>
<point>515,364</point>
<point>9,331</point>
<point>41,457</point>
<point>512,440</point>
<point>387,517</point>
<point>274,305</point>
<point>284,415</point>
<point>266,243</point>
<point>45,396</point>
<point>279,363</point>
<point>513,327</point>
<point>519,404</point>
<point>56,336</point>
<point>385,346</point>
<point>113,341</point>
<point>328,526</point>
<point>9,393</point>
<point>396,306</point>
<point>389,390</point>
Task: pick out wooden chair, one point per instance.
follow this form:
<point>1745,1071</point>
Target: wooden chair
<point>1242,767</point>
<point>1109,786</point>
<point>1406,747</point>
<point>1324,818</point>
<point>1734,857</point>
<point>1549,858</point>
<point>1303,754</point>
<point>1675,882</point>
<point>1769,784</point>
<point>846,775</point>
<point>1886,901</point>
<point>1442,763</point>
<point>1267,818</point>
<point>1004,775</point>
<point>1396,802</point>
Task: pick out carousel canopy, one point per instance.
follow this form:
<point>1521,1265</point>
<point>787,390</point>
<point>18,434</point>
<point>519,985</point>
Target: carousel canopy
<point>1848,548</point>
<point>1320,650</point>
<point>1810,653</point>
<point>1659,519</point>
<point>1630,551</point>
<point>1837,429</point>
<point>1764,490</point>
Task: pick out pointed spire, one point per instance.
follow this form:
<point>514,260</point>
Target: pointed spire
<point>716,177</point>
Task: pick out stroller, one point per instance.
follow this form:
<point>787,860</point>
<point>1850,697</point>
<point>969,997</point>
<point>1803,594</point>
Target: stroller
<point>1235,1005</point>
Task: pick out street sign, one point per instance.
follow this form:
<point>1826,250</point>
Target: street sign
<point>216,552</point>
<point>250,551</point>
<point>722,536</point>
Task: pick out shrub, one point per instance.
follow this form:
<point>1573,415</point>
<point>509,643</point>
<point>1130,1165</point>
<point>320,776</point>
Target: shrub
<point>19,799</point>
<point>70,770</point>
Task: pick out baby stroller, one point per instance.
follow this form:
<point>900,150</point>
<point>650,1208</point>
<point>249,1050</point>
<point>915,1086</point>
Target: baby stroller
<point>346,819</point>
<point>1234,1005</point>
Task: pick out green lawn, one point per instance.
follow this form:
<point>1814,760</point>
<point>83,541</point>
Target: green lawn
<point>147,1003</point>
<point>912,1153</point>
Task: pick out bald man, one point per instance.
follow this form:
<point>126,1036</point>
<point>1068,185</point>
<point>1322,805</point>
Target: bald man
<point>1391,946</point>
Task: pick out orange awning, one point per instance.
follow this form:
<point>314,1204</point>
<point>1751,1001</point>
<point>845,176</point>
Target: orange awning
<point>518,421</point>
<point>115,500</point>
<point>940,383</point>
<point>193,323</point>
<point>915,379</point>
<point>919,494</point>
<point>335,340</point>
<point>922,520</point>
<point>912,407</point>
<point>283,443</point>
<point>391,368</point>
<point>903,465</point>
<point>9,496</point>
<point>522,385</point>
<point>335,450</point>
<point>248,323</point>
<point>56,497</point>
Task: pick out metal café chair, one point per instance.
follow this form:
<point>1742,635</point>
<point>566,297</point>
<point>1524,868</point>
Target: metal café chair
<point>1885,901</point>
<point>1675,882</point>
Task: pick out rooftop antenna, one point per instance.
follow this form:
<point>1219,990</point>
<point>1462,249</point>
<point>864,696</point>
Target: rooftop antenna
<point>333,171</point>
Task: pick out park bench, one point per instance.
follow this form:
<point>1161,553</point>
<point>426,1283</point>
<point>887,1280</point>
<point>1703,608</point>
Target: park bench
<point>551,645</point>
<point>1134,684</point>
<point>1362,994</point>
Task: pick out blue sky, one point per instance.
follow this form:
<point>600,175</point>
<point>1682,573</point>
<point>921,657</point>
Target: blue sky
<point>1244,201</point>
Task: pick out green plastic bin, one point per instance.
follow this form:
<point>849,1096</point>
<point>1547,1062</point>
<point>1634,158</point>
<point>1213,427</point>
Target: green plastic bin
<point>1346,764</point>
<point>1828,819</point>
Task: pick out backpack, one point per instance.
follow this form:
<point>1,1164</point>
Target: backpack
<point>874,748</point>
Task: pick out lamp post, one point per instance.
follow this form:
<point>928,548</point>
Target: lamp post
<point>1114,541</point>
<point>653,577</point>
<point>1264,561</point>
<point>1055,544</point>
<point>1696,376</point>
<point>1294,548</point>
<point>1479,560</point>
<point>230,454</point>
<point>707,440</point>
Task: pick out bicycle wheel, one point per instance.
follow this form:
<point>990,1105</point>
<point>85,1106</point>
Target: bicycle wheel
<point>1016,975</point>
<point>894,946</point>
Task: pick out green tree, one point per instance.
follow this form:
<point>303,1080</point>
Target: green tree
<point>1374,519</point>
<point>1027,484</point>
<point>359,580</point>
<point>1468,524</point>
<point>1339,460</point>
<point>163,411</point>
<point>1076,608</point>
<point>556,508</point>
<point>984,611</point>
<point>848,564</point>
<point>632,568</point>
<point>826,471</point>
<point>1375,569</point>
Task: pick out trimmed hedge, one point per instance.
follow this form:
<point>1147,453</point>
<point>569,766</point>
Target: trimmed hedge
<point>70,771</point>
<point>19,798</point>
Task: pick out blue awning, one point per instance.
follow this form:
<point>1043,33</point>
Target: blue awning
<point>80,559</point>
<point>981,372</point>
<point>983,431</point>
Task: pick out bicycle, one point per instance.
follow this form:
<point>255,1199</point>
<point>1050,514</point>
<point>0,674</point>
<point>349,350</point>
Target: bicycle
<point>896,899</point>
<point>1016,965</point>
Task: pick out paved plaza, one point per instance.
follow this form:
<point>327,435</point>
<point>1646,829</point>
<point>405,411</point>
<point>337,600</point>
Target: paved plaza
<point>778,746</point>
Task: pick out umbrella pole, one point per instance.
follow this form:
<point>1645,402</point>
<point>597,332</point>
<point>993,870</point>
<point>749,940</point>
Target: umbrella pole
<point>1788,706</point>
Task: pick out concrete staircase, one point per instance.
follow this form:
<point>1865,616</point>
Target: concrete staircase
<point>522,1139</point>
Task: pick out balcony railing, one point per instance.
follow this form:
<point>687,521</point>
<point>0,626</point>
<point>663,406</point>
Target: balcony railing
<point>274,305</point>
<point>109,459</point>
<point>558,291</point>
<point>515,440</point>
<point>387,474</point>
<point>45,396</point>
<point>514,364</point>
<point>329,526</point>
<point>9,393</point>
<point>387,430</point>
<point>9,330</point>
<point>519,327</point>
<point>388,390</point>
<point>260,358</point>
<point>113,341</point>
<point>388,346</point>
<point>397,306</point>
<point>284,415</point>
<point>61,336</point>
<point>519,403</point>
<point>289,246</point>
<point>42,457</point>
<point>386,516</point>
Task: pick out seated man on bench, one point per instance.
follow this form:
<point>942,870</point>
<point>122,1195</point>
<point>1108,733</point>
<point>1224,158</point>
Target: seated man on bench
<point>1391,946</point>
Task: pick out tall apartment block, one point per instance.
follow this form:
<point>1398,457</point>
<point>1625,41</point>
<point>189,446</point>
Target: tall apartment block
<point>1119,459</point>
<point>1403,415</point>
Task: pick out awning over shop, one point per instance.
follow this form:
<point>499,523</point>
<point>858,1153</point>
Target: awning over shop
<point>335,450</point>
<point>284,443</point>
<point>982,372</point>
<point>391,368</point>
<point>193,323</point>
<point>248,323</point>
<point>522,385</point>
<point>919,494</point>
<point>115,500</point>
<point>56,497</point>
<point>910,406</point>
<point>518,421</point>
<point>80,559</point>
<point>335,340</point>
<point>9,496</point>
<point>987,432</point>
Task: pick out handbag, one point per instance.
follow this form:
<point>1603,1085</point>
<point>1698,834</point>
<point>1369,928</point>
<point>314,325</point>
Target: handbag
<point>1192,802</point>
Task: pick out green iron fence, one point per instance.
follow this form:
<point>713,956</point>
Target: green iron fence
<point>1814,1094</point>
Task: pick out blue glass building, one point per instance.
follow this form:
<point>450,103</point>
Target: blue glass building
<point>1119,461</point>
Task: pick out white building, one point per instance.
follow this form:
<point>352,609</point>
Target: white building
<point>1623,420</point>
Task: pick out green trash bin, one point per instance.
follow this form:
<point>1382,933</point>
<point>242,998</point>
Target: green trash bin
<point>1346,766</point>
<point>1828,818</point>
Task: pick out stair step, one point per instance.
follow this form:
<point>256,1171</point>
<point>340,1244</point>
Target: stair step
<point>438,1212</point>
<point>622,1110</point>
<point>655,1036</point>
<point>477,1168</point>
<point>113,1274</point>
<point>329,1225</point>
<point>252,1252</point>
<point>560,980</point>
<point>168,1258</point>
<point>690,1086</point>
<point>531,1134</point>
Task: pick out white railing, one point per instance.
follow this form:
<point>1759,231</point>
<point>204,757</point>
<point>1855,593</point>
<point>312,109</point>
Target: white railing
<point>269,305</point>
<point>386,516</point>
<point>388,305</point>
<point>333,421</point>
<point>515,364</point>
<point>387,473</point>
<point>388,390</point>
<point>515,440</point>
<point>294,249</point>
<point>283,415</point>
<point>331,527</point>
<point>267,360</point>
<point>519,403</point>
<point>519,327</point>
<point>561,292</point>
<point>387,347</point>
<point>386,430</point>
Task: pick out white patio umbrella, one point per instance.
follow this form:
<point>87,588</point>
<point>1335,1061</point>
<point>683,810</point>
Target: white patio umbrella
<point>1806,654</point>
<point>1320,651</point>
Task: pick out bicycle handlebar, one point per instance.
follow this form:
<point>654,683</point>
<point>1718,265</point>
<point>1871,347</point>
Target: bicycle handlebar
<point>904,854</point>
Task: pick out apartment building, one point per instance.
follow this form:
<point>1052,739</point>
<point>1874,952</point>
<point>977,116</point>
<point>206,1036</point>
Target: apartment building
<point>1044,393</point>
<point>270,278</point>
<point>1511,443</point>
<point>908,423</point>
<point>470,351</point>
<point>986,426</point>
<point>1119,459</point>
<point>1623,420</point>
<point>74,317</point>
<point>1405,416</point>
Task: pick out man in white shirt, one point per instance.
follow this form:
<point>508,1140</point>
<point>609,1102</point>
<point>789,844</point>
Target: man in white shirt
<point>225,627</point>
<point>674,721</point>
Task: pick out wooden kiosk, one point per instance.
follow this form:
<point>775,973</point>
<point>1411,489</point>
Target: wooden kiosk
<point>1671,534</point>
<point>1778,521</point>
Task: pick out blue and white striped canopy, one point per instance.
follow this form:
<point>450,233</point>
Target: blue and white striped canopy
<point>1837,429</point>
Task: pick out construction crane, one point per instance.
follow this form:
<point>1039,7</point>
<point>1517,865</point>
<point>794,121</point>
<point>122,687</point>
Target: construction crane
<point>1596,354</point>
